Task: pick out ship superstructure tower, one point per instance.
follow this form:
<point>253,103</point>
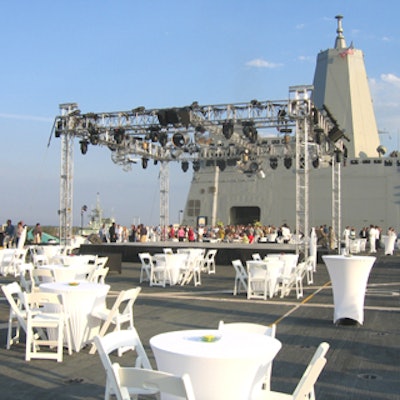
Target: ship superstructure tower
<point>341,85</point>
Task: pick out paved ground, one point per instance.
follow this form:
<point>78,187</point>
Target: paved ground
<point>363,362</point>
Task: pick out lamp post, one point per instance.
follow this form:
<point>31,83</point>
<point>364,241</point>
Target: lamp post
<point>179,216</point>
<point>83,210</point>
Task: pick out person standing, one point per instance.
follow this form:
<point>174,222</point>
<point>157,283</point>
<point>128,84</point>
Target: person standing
<point>37,234</point>
<point>112,231</point>
<point>372,239</point>
<point>9,234</point>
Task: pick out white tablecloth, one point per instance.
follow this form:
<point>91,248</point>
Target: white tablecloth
<point>229,368</point>
<point>175,264</point>
<point>349,276</point>
<point>69,273</point>
<point>79,302</point>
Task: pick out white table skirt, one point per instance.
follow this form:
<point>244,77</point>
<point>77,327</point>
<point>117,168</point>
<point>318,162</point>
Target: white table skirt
<point>175,264</point>
<point>349,276</point>
<point>79,302</point>
<point>230,368</point>
<point>69,273</point>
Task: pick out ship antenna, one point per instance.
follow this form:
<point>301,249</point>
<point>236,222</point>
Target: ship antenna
<point>340,42</point>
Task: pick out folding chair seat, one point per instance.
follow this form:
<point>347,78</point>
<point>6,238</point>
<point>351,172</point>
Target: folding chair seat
<point>114,341</point>
<point>258,329</point>
<point>145,270</point>
<point>305,388</point>
<point>240,278</point>
<point>46,323</point>
<point>121,313</point>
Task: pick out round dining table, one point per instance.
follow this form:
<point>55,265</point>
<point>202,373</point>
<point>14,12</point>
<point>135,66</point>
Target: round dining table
<point>221,365</point>
<point>80,299</point>
<point>349,276</point>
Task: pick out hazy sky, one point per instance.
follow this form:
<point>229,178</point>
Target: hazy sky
<point>117,55</point>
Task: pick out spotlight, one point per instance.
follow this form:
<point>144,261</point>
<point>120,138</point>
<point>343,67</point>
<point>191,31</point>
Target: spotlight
<point>154,134</point>
<point>273,162</point>
<point>287,162</point>
<point>315,162</point>
<point>84,146</point>
<point>253,167</point>
<point>59,128</point>
<point>163,138</point>
<point>93,135</point>
<point>250,131</point>
<point>338,156</point>
<point>119,135</point>
<point>185,166</point>
<point>144,163</point>
<point>227,129</point>
<point>221,165</point>
<point>196,165</point>
<point>179,139</point>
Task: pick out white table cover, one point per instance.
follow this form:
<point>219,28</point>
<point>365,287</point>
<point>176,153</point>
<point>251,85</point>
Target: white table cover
<point>175,264</point>
<point>230,368</point>
<point>80,301</point>
<point>349,276</point>
<point>69,273</point>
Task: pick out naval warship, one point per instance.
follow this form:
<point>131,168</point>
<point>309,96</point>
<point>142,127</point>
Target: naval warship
<point>370,179</point>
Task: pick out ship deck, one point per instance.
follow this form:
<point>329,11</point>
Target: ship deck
<point>363,361</point>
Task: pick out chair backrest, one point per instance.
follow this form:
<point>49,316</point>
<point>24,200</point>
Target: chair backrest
<point>115,341</point>
<point>210,255</point>
<point>256,269</point>
<point>256,256</point>
<point>124,302</point>
<point>163,382</point>
<point>98,275</point>
<point>35,300</point>
<point>248,327</point>
<point>146,259</point>
<point>239,268</point>
<point>312,372</point>
<point>14,296</point>
<point>167,250</point>
<point>41,275</point>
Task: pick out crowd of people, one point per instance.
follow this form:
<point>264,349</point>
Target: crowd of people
<point>243,233</point>
<point>11,235</point>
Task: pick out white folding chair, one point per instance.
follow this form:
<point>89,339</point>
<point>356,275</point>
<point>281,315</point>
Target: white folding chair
<point>240,278</point>
<point>46,322</point>
<point>309,270</point>
<point>192,270</point>
<point>145,270</point>
<point>160,273</point>
<point>294,279</point>
<point>120,340</point>
<point>209,261</point>
<point>17,314</point>
<point>257,280</point>
<point>41,275</point>
<point>98,275</point>
<point>305,387</point>
<point>258,329</point>
<point>127,378</point>
<point>120,313</point>
<point>256,257</point>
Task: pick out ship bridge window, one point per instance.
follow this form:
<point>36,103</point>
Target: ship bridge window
<point>193,208</point>
<point>244,215</point>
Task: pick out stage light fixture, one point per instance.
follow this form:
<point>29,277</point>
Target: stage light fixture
<point>227,129</point>
<point>184,166</point>
<point>84,146</point>
<point>119,135</point>
<point>144,162</point>
<point>196,165</point>
<point>250,131</point>
<point>163,138</point>
<point>273,162</point>
<point>221,165</point>
<point>287,162</point>
<point>315,162</point>
<point>179,139</point>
